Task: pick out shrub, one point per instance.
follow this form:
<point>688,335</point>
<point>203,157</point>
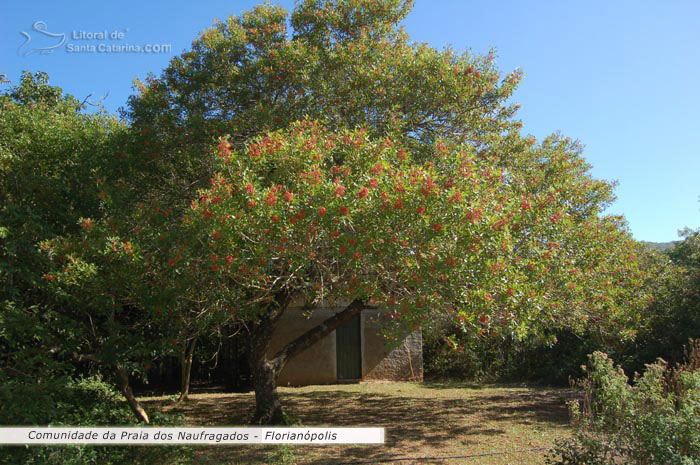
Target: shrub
<point>82,402</point>
<point>654,420</point>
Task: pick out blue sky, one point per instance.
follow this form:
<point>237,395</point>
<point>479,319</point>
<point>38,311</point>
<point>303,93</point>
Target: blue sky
<point>622,76</point>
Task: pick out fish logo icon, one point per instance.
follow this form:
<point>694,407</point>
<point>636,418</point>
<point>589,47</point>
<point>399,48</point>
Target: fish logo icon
<point>44,36</point>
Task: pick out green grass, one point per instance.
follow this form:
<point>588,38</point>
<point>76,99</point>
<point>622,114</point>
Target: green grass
<point>431,419</point>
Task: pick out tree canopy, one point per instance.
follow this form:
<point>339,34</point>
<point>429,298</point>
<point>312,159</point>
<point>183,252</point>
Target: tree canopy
<point>338,162</point>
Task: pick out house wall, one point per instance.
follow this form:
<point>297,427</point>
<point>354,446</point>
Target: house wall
<point>317,364</point>
<point>401,363</point>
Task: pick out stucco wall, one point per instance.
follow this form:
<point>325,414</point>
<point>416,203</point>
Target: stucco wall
<point>404,362</point>
<point>317,365</point>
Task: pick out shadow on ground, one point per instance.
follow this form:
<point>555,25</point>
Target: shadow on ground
<point>431,421</point>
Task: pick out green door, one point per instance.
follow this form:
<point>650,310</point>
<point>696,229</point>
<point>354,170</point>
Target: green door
<point>348,351</point>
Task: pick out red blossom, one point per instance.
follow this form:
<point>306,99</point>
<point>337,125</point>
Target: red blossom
<point>321,211</point>
<point>374,183</point>
<point>474,215</point>
<point>288,196</point>
<point>363,193</point>
<point>398,204</point>
<point>456,197</point>
<point>87,224</point>
<point>250,188</point>
<point>421,210</point>
<point>271,199</point>
<point>437,227</point>
<point>344,211</point>
<point>339,191</point>
<point>254,150</point>
<point>224,150</point>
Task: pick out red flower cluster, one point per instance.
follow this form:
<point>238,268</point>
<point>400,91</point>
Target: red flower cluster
<point>254,150</point>
<point>473,215</point>
<point>224,150</point>
<point>456,197</point>
<point>271,198</point>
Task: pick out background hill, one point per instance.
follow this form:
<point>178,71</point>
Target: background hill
<point>660,246</point>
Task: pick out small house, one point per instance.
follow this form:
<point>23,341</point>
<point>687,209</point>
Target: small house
<point>356,351</point>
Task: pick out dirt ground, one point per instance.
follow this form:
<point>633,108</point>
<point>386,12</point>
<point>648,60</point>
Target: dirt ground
<point>426,422</point>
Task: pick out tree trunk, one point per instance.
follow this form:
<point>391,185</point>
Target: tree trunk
<point>186,364</point>
<point>123,380</point>
<point>268,408</point>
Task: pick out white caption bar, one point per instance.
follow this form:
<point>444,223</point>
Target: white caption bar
<point>201,435</point>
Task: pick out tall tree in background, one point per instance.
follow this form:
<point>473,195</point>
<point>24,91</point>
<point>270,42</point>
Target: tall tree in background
<point>53,162</point>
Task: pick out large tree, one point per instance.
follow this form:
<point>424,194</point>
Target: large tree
<point>406,185</point>
<point>337,216</point>
<point>54,162</point>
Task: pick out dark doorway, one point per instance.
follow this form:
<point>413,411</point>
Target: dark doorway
<point>348,350</point>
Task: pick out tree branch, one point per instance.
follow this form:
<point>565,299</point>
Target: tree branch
<point>317,333</point>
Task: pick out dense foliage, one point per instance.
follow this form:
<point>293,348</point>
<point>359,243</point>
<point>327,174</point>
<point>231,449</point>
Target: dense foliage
<point>339,163</point>
<point>80,402</point>
<point>653,421</point>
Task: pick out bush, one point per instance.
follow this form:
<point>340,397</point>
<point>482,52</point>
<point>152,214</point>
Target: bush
<point>82,402</point>
<point>655,420</point>
<point>552,358</point>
